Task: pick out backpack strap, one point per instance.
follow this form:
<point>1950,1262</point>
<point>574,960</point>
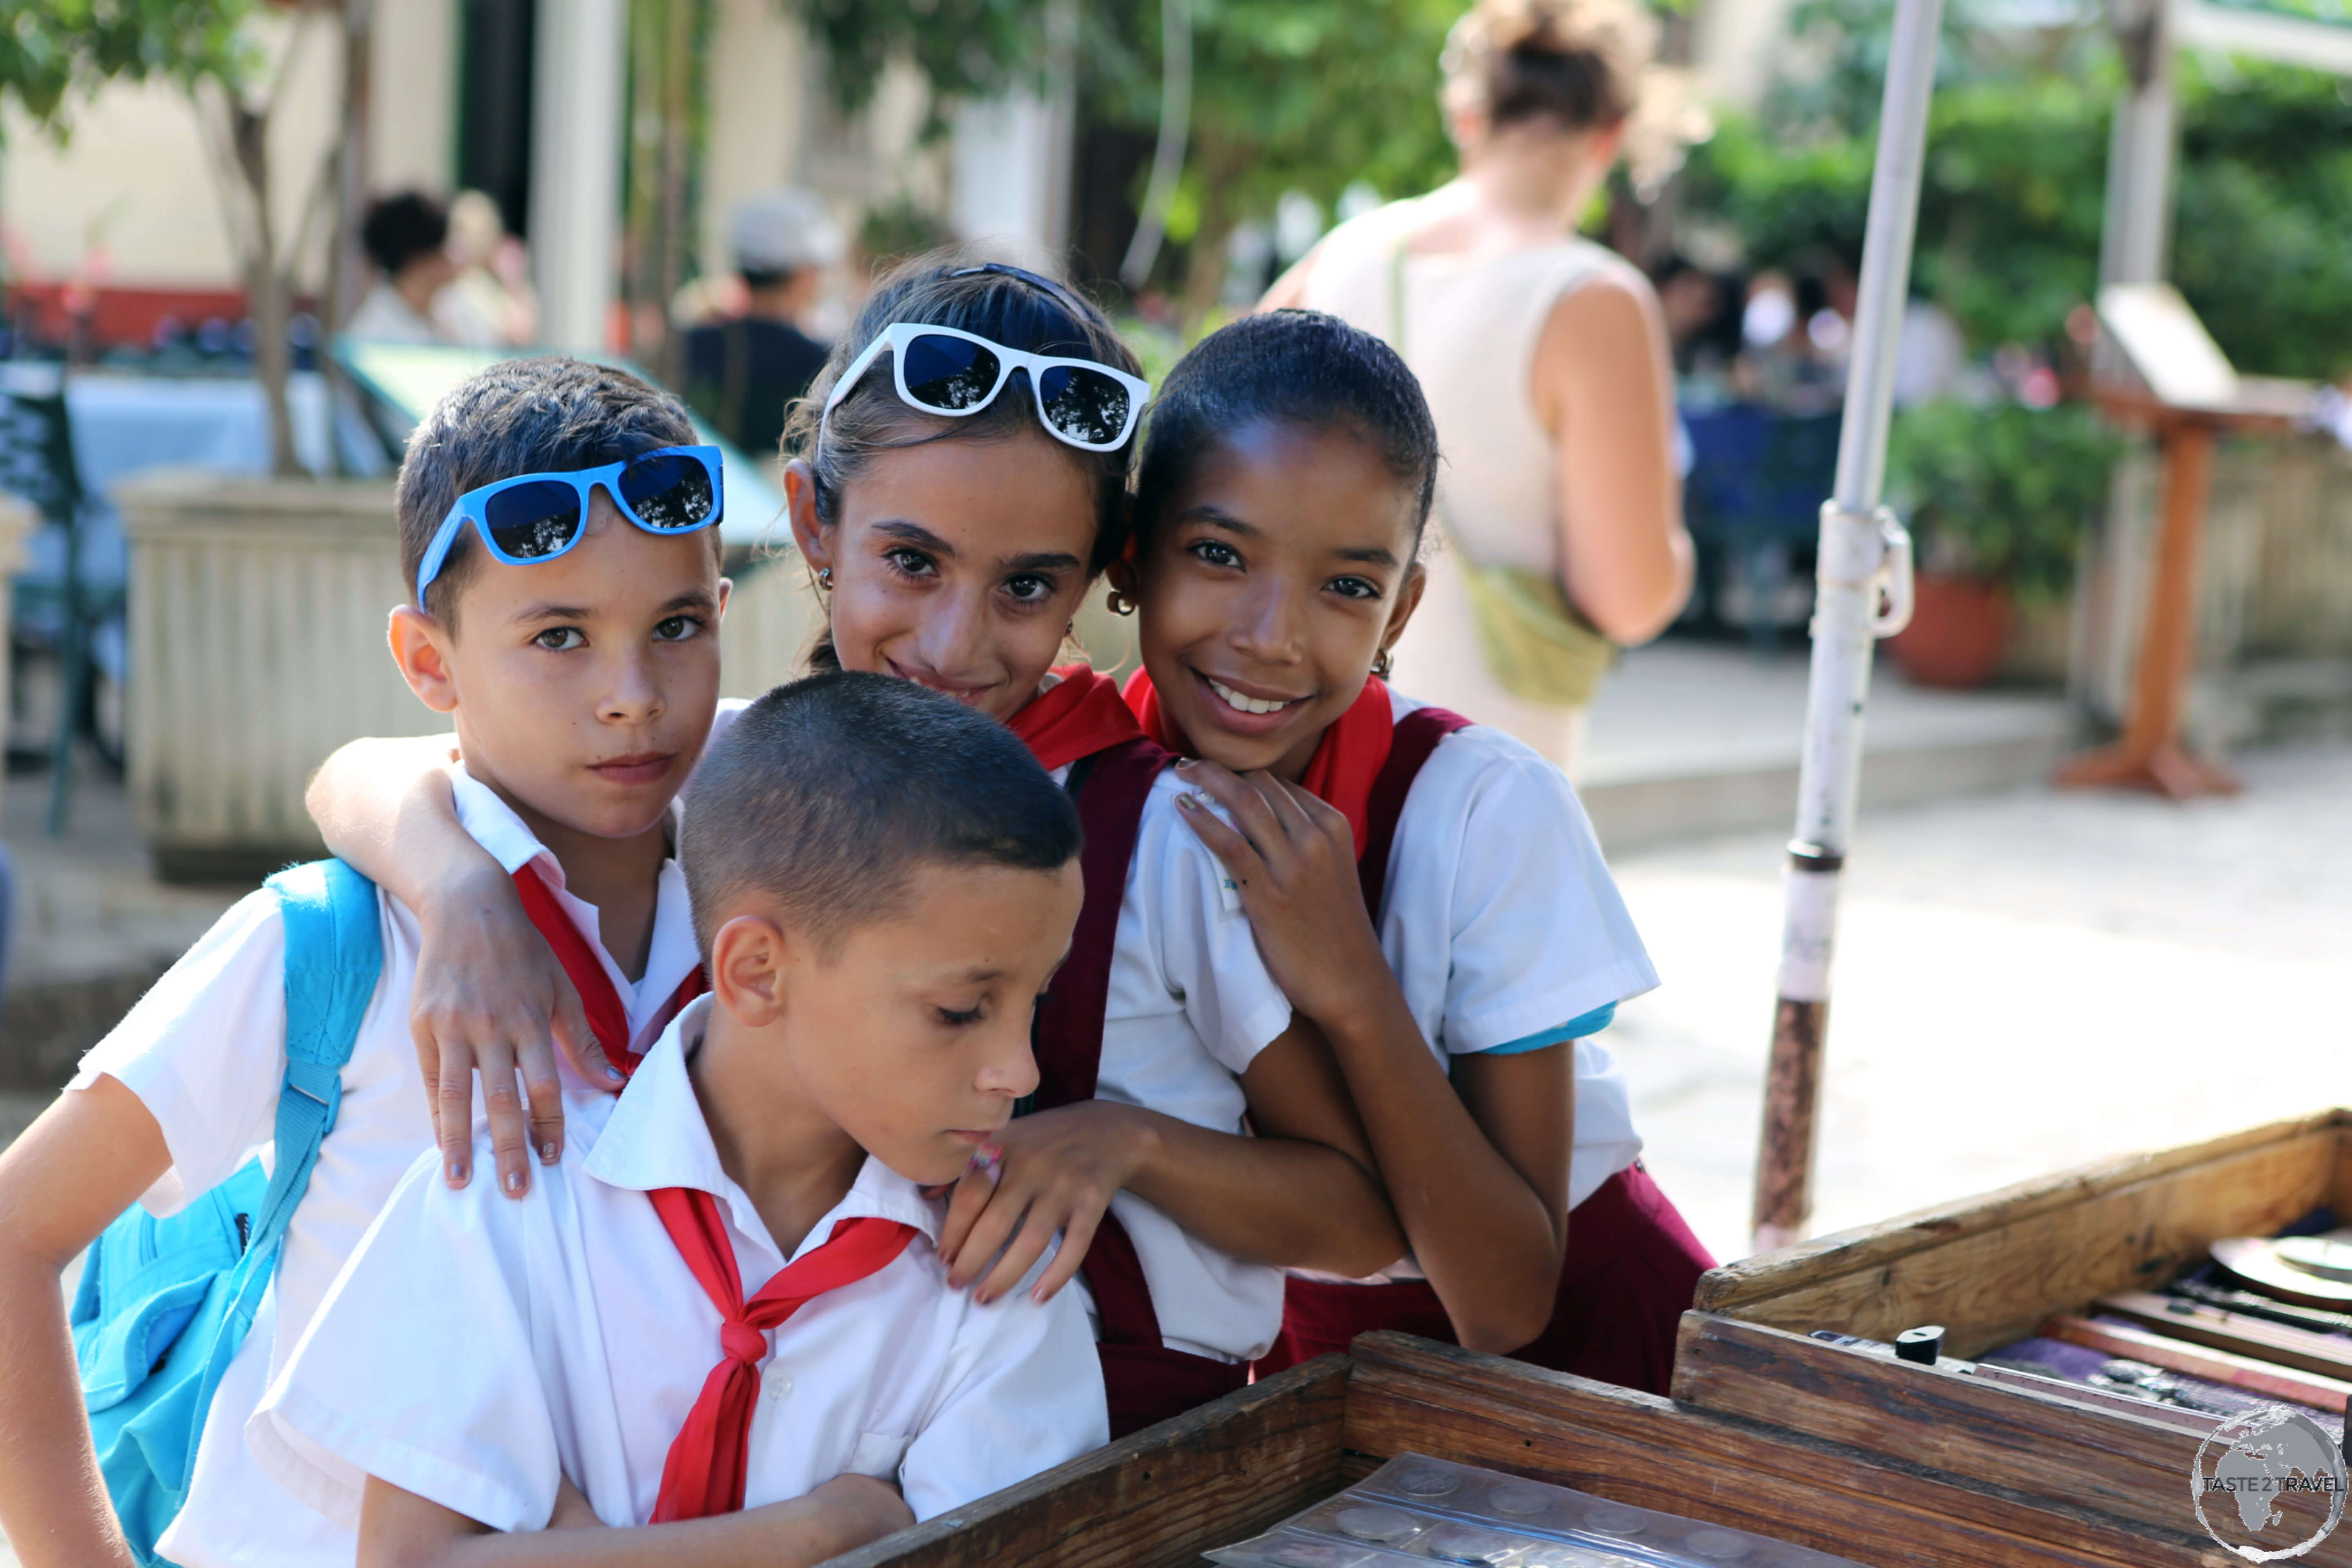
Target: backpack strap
<point>334,954</point>
<point>1417,734</point>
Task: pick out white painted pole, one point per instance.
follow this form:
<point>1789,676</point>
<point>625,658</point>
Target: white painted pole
<point>579,81</point>
<point>1864,557</point>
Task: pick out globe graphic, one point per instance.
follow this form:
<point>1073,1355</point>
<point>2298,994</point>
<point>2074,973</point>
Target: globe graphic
<point>2269,1484</point>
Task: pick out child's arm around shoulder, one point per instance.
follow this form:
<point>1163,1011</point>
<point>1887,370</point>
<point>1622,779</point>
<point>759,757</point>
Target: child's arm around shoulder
<point>489,993</point>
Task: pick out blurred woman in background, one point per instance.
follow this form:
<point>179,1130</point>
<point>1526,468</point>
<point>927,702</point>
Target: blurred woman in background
<point>1545,359</point>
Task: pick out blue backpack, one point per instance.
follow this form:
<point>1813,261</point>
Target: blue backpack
<point>163,1304</point>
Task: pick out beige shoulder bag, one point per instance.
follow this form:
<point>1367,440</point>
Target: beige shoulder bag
<point>1538,648</point>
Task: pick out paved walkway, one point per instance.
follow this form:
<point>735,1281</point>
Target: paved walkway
<point>2024,982</point>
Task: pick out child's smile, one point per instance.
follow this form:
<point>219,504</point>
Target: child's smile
<point>1273,581</point>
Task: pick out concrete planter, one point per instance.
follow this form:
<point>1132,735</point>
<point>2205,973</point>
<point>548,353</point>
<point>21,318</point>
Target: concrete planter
<point>258,611</point>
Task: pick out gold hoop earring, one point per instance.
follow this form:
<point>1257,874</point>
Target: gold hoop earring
<point>1119,604</point>
<point>1382,665</point>
<point>824,578</point>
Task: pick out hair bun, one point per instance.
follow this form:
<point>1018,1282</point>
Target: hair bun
<point>1583,65</point>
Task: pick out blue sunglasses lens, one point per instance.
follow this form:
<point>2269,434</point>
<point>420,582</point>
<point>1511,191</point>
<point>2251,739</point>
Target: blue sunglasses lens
<point>1084,405</point>
<point>539,519</point>
<point>670,493</point>
<point>948,373</point>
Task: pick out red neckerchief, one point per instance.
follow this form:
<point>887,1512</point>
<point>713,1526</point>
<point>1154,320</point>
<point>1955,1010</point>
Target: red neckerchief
<point>704,1472</point>
<point>1081,714</point>
<point>1346,760</point>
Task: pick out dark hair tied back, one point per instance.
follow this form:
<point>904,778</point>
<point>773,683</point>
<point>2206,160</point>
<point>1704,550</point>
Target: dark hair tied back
<point>1297,367</point>
<point>1002,304</point>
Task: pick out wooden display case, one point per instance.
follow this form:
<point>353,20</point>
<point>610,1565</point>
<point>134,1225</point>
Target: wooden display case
<point>1228,1469</point>
<point>1991,1270</point>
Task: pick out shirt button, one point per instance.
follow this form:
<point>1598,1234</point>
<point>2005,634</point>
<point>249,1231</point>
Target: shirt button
<point>777,1381</point>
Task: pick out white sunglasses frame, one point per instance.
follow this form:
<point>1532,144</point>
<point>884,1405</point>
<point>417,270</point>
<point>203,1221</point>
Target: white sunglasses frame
<point>894,339</point>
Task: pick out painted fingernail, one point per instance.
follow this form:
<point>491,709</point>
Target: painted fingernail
<point>1189,801</point>
<point>547,1153</point>
<point>1038,1295</point>
<point>613,1072</point>
<point>456,1173</point>
<point>514,1181</point>
<point>986,1160</point>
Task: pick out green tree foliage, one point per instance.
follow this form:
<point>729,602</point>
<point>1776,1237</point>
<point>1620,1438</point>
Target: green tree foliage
<point>53,52</point>
<point>1307,95</point>
<point>2000,492</point>
<point>2010,214</point>
<point>963,47</point>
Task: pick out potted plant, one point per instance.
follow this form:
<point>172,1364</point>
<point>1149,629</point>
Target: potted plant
<point>1995,496</point>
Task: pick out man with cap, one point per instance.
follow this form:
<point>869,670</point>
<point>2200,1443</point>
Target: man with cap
<point>742,374</point>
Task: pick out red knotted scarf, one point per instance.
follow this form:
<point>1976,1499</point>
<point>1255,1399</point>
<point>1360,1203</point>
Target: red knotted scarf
<point>1079,715</point>
<point>1346,760</point>
<point>704,1472</point>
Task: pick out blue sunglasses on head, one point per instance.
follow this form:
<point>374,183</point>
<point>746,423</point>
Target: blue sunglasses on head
<point>537,517</point>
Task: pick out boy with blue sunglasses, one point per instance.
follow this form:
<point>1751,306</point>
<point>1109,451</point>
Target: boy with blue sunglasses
<point>556,520</point>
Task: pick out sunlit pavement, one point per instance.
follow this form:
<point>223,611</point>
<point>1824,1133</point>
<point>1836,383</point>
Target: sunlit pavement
<point>2024,982</point>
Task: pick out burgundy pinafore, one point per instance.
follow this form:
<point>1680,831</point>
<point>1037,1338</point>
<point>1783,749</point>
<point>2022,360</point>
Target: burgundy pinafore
<point>1146,1381</point>
<point>1631,1265</point>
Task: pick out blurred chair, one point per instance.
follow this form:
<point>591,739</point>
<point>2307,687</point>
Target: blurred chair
<point>37,462</point>
<point>1752,502</point>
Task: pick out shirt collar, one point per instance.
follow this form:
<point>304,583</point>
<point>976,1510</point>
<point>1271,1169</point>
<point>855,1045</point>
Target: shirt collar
<point>657,1138</point>
<point>503,834</point>
<point>499,830</point>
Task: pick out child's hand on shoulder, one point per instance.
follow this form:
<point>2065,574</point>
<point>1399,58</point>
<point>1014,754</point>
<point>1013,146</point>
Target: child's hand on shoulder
<point>491,996</point>
<point>1051,1171</point>
<point>1293,857</point>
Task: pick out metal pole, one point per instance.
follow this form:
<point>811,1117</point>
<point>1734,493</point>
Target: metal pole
<point>1864,556</point>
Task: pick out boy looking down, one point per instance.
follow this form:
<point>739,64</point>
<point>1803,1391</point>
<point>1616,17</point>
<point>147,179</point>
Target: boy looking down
<point>576,645</point>
<point>728,1294</point>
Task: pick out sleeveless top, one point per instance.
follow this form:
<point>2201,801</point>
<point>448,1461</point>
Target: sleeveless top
<point>1472,325</point>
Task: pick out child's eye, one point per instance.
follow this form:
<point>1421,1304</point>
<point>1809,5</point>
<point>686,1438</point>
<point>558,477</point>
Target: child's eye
<point>1355,588</point>
<point>913,562</point>
<point>678,628</point>
<point>1216,552</point>
<point>959,1018</point>
<point>561,639</point>
<point>1029,588</point>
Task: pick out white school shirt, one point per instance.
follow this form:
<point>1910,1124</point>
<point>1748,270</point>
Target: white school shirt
<point>1501,920</point>
<point>1190,1006</point>
<point>204,1051</point>
<point>479,1348</point>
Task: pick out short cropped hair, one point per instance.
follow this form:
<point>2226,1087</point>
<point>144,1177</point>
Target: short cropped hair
<point>521,416</point>
<point>399,228</point>
<point>1291,367</point>
<point>826,794</point>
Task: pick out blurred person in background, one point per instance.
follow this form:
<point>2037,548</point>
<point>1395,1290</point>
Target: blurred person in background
<point>1544,357</point>
<point>493,271</point>
<point>407,237</point>
<point>743,374</point>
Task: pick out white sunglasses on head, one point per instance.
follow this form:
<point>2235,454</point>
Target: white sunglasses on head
<point>950,372</point>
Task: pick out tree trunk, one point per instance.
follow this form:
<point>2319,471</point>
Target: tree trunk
<point>1205,260</point>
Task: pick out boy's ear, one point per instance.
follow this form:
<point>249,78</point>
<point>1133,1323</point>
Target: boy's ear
<point>418,646</point>
<point>747,969</point>
<point>1417,582</point>
<point>800,505</point>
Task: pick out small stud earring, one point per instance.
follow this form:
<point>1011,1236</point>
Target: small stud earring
<point>825,577</point>
<point>1119,604</point>
<point>1383,664</point>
